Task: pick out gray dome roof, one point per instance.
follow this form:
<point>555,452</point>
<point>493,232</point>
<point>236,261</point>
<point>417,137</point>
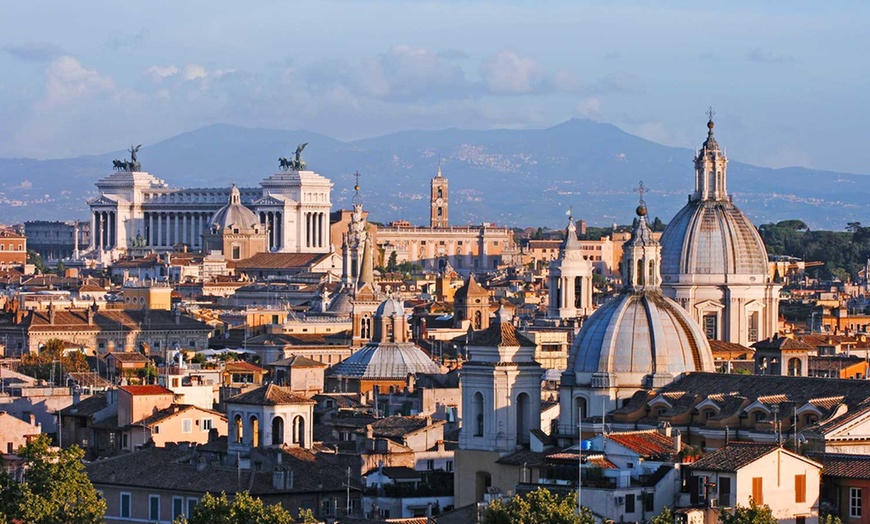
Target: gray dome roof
<point>637,336</point>
<point>389,307</point>
<point>386,360</point>
<point>712,237</point>
<point>234,214</point>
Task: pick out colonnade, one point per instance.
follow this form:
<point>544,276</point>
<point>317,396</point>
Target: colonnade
<point>274,227</point>
<point>165,229</point>
<point>104,229</point>
<point>315,229</point>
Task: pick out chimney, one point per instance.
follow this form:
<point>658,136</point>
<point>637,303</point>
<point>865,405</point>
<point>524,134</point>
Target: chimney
<point>51,313</point>
<point>678,441</point>
<point>32,419</point>
<point>177,315</point>
<point>370,432</point>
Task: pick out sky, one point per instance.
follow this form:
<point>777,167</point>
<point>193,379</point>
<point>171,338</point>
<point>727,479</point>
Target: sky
<point>788,80</point>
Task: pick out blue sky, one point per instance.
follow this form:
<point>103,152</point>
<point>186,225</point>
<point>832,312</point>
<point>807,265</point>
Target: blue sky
<point>788,80</point>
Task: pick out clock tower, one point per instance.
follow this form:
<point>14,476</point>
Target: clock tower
<point>438,216</point>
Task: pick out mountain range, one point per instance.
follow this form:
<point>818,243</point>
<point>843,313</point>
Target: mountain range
<point>507,177</point>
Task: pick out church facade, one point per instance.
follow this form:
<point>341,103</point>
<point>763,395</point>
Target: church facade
<point>137,210</point>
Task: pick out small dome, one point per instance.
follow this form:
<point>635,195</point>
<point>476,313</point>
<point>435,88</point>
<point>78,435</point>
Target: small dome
<point>713,237</point>
<point>234,214</point>
<point>638,336</point>
<point>389,307</point>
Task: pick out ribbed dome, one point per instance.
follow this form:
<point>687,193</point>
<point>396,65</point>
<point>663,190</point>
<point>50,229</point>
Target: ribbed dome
<point>639,336</point>
<point>234,214</point>
<point>712,237</point>
<point>386,360</point>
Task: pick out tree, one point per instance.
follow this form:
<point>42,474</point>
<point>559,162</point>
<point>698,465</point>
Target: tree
<point>830,519</point>
<point>393,261</point>
<point>539,506</point>
<point>53,359</point>
<point>56,489</point>
<point>306,516</point>
<point>241,509</point>
<point>754,514</point>
<point>665,517</point>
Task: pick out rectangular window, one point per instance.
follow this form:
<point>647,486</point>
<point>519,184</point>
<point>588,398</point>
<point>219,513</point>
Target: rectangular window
<point>125,505</point>
<point>855,503</point>
<point>191,503</point>
<point>649,500</point>
<point>448,466</point>
<point>153,508</point>
<point>207,424</point>
<point>186,425</point>
<point>629,503</point>
<point>177,507</point>
<point>430,465</point>
<point>758,490</point>
<point>710,328</point>
<point>800,488</point>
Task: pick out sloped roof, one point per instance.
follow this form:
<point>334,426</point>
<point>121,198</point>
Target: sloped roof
<point>128,357</point>
<point>269,395</point>
<point>298,361</point>
<point>398,427</point>
<point>843,465</point>
<point>241,365</point>
<point>733,456</point>
<point>281,260</point>
<point>500,334</point>
<point>648,443</point>
<point>175,469</point>
<point>783,344</point>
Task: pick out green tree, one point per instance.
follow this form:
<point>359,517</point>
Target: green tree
<point>539,506</point>
<point>56,489</point>
<point>665,517</point>
<point>830,519</point>
<point>53,359</point>
<point>306,516</point>
<point>61,269</point>
<point>754,514</point>
<point>241,509</point>
<point>393,261</point>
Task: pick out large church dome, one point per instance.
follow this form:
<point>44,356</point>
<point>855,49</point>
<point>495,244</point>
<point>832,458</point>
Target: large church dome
<point>234,215</point>
<point>710,237</point>
<point>641,338</point>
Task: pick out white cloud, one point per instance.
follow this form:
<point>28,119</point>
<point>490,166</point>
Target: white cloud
<point>508,73</point>
<point>67,80</point>
<point>158,73</point>
<point>194,72</point>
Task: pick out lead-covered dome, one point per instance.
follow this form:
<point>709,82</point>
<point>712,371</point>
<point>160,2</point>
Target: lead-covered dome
<point>234,215</point>
<point>641,338</point>
<point>710,236</point>
<point>638,338</point>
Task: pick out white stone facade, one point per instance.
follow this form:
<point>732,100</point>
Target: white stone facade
<point>138,210</point>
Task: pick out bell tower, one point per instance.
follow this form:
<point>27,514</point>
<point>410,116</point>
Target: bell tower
<point>438,216</point>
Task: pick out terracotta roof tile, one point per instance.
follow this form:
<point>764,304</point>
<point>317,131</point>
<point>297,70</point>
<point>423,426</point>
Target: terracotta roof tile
<point>648,443</point>
<point>843,465</point>
<point>146,390</point>
<point>733,456</point>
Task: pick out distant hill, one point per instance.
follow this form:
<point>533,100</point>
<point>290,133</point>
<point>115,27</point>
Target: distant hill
<point>510,177</point>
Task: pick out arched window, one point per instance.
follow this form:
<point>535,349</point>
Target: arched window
<point>239,431</point>
<point>794,367</point>
<point>299,431</point>
<point>440,192</point>
<point>523,418</point>
<point>578,292</point>
<point>277,431</point>
<point>440,212</point>
<point>478,320</point>
<point>477,414</point>
<point>652,272</point>
<point>640,272</point>
<point>255,431</point>
<point>365,327</point>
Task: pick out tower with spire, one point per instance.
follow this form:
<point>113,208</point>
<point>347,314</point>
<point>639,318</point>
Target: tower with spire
<point>711,168</point>
<point>570,291</point>
<point>438,217</point>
